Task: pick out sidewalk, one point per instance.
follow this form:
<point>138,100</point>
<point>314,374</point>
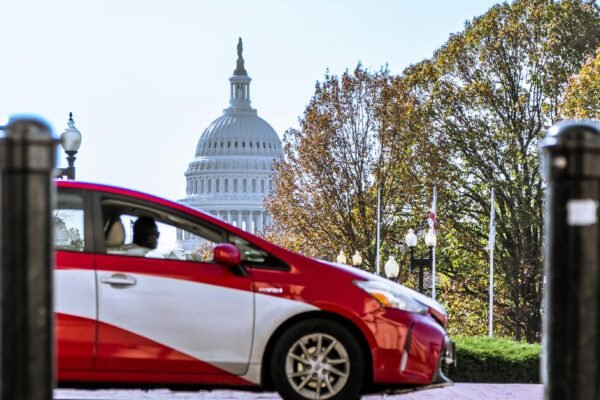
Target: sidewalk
<point>459,391</point>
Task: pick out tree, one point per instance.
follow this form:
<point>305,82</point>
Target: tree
<point>490,93</point>
<point>583,93</point>
<point>325,195</point>
<point>469,118</point>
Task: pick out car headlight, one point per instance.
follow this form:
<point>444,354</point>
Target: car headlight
<point>391,297</point>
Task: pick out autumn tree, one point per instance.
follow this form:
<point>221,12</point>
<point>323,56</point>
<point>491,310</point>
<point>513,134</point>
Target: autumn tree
<point>583,93</point>
<point>326,193</point>
<point>490,94</point>
<point>470,118</point>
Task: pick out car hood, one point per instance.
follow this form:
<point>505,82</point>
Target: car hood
<point>359,273</point>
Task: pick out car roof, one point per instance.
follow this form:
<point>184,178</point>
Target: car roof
<point>97,187</point>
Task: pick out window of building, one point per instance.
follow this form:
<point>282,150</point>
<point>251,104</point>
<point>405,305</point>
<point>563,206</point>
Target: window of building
<point>253,185</point>
<point>217,186</point>
<point>235,189</point>
<point>262,185</point>
<point>245,188</point>
<point>210,186</point>
<point>226,189</point>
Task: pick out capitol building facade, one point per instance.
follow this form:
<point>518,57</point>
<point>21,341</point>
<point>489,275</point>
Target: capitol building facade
<point>232,171</point>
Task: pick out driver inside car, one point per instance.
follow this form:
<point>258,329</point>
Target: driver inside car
<point>145,239</point>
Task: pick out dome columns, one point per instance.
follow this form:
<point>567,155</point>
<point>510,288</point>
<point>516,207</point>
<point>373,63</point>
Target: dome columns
<point>248,220</point>
<point>240,94</point>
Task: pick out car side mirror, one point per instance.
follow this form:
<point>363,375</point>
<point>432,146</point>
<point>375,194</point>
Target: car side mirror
<point>227,254</point>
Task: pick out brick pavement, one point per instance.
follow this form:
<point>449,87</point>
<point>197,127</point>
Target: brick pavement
<point>459,391</point>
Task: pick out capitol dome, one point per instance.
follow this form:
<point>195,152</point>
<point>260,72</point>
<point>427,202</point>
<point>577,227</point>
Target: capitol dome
<point>232,170</point>
<point>239,134</point>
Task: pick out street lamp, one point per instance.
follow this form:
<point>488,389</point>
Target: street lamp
<point>356,259</point>
<point>70,140</point>
<point>391,268</point>
<point>341,258</point>
<point>423,262</point>
<point>430,239</point>
<point>411,239</point>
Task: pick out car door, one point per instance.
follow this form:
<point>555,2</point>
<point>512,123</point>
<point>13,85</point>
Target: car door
<point>167,310</point>
<point>74,281</point>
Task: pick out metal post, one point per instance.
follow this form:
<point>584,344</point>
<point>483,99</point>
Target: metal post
<point>431,266</point>
<point>491,246</point>
<point>432,257</point>
<point>70,170</point>
<point>26,314</point>
<point>491,295</point>
<point>421,285</point>
<point>571,339</point>
<point>432,250</point>
<point>421,264</point>
<point>377,263</point>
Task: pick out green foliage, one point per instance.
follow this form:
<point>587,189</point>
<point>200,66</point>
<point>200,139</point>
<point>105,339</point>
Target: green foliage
<point>470,118</point>
<point>583,94</point>
<point>326,193</point>
<point>484,359</point>
<point>489,95</point>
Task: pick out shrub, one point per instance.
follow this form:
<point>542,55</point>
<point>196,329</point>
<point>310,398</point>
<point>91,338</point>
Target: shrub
<point>484,359</point>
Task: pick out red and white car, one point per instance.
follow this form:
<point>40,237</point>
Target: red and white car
<point>238,311</point>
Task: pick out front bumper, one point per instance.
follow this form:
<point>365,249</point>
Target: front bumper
<point>447,358</point>
<point>409,348</point>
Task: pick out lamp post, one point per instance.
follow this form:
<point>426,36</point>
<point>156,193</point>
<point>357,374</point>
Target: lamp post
<point>423,262</point>
<point>356,259</point>
<point>391,268</point>
<point>70,140</point>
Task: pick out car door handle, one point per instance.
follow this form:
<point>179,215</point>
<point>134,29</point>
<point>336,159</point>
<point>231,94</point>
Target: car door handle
<point>119,280</point>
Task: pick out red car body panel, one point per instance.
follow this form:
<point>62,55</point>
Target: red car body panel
<point>91,349</point>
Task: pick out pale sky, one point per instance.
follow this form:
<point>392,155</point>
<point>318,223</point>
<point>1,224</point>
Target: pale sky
<point>144,78</point>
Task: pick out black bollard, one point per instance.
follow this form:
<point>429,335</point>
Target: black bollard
<point>571,341</point>
<point>27,153</point>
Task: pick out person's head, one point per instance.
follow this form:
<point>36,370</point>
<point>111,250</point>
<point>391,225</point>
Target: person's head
<point>145,232</point>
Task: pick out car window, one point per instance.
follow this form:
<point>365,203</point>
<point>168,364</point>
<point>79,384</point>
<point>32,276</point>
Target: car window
<point>142,231</point>
<point>68,220</point>
<point>252,255</point>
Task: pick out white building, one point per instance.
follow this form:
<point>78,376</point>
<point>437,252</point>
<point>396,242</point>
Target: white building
<point>232,171</point>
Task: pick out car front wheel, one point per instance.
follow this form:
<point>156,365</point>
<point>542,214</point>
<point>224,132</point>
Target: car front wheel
<point>318,359</point>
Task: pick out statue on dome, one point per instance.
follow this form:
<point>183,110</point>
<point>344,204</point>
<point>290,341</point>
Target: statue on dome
<point>240,70</point>
<point>240,48</point>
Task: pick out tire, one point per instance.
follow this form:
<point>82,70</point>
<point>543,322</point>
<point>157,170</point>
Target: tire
<point>299,372</point>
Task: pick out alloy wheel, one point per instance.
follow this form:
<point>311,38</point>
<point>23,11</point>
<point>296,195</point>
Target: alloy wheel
<point>317,366</point>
